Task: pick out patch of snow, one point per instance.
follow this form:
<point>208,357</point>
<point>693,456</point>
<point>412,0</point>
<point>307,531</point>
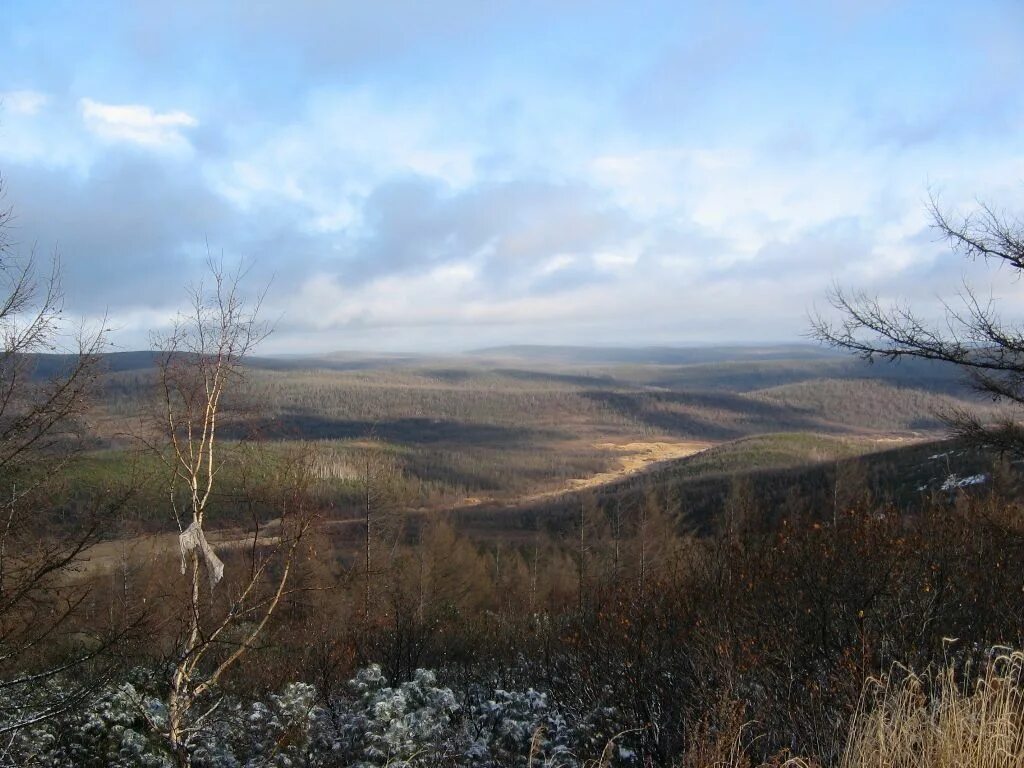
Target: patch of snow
<point>954,481</point>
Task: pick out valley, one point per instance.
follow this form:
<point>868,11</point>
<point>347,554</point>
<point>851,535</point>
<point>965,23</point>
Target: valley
<point>491,438</point>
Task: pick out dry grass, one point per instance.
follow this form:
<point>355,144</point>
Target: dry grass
<point>907,720</point>
<point>633,458</point>
<point>899,725</point>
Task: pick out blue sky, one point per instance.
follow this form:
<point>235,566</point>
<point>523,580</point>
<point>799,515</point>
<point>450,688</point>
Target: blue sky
<point>441,176</point>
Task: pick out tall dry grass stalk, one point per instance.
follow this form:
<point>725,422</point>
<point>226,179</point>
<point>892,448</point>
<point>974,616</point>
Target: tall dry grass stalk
<point>933,721</point>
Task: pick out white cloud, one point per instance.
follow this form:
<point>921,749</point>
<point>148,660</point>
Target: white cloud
<point>620,260</point>
<point>504,190</point>
<point>22,102</point>
<point>137,124</point>
<point>337,148</point>
<point>438,296</point>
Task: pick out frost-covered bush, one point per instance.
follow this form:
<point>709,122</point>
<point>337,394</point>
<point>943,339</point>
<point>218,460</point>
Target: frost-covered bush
<point>421,724</point>
<point>510,726</point>
<point>122,727</point>
<point>289,729</point>
<point>415,724</point>
<point>117,728</point>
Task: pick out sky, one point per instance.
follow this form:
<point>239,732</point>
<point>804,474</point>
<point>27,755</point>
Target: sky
<point>442,176</point>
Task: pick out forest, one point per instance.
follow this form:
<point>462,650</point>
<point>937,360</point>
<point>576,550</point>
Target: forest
<point>728,557</point>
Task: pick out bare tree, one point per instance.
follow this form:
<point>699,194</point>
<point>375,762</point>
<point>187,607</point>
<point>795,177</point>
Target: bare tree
<point>200,361</point>
<point>381,498</point>
<point>972,336</point>
<point>42,591</point>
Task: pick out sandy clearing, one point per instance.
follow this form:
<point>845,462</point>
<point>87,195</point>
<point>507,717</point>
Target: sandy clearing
<point>635,458</point>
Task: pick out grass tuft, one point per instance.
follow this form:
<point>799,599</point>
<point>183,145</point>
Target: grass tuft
<point>935,721</point>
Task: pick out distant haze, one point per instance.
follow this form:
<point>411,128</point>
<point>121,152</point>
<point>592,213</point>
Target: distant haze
<point>456,175</point>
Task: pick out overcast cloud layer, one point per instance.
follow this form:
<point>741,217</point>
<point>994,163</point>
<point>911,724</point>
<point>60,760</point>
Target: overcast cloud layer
<point>445,175</point>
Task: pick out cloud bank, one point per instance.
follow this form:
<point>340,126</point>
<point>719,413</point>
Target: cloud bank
<point>414,179</point>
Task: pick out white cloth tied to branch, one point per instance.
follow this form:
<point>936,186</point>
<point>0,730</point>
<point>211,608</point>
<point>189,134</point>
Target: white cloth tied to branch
<point>192,539</point>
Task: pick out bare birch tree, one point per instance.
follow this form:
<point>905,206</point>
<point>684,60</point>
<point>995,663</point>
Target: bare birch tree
<point>200,361</point>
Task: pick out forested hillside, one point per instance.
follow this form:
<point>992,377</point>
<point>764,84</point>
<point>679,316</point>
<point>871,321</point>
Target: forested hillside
<point>458,432</point>
<point>459,593</point>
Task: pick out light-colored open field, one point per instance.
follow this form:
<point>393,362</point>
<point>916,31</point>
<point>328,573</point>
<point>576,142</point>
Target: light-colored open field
<point>633,458</point>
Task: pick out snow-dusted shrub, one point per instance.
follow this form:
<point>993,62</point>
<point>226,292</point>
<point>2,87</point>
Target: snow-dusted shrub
<point>416,724</point>
<point>289,729</point>
<point>510,726</point>
<point>413,724</point>
<point>115,730</point>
